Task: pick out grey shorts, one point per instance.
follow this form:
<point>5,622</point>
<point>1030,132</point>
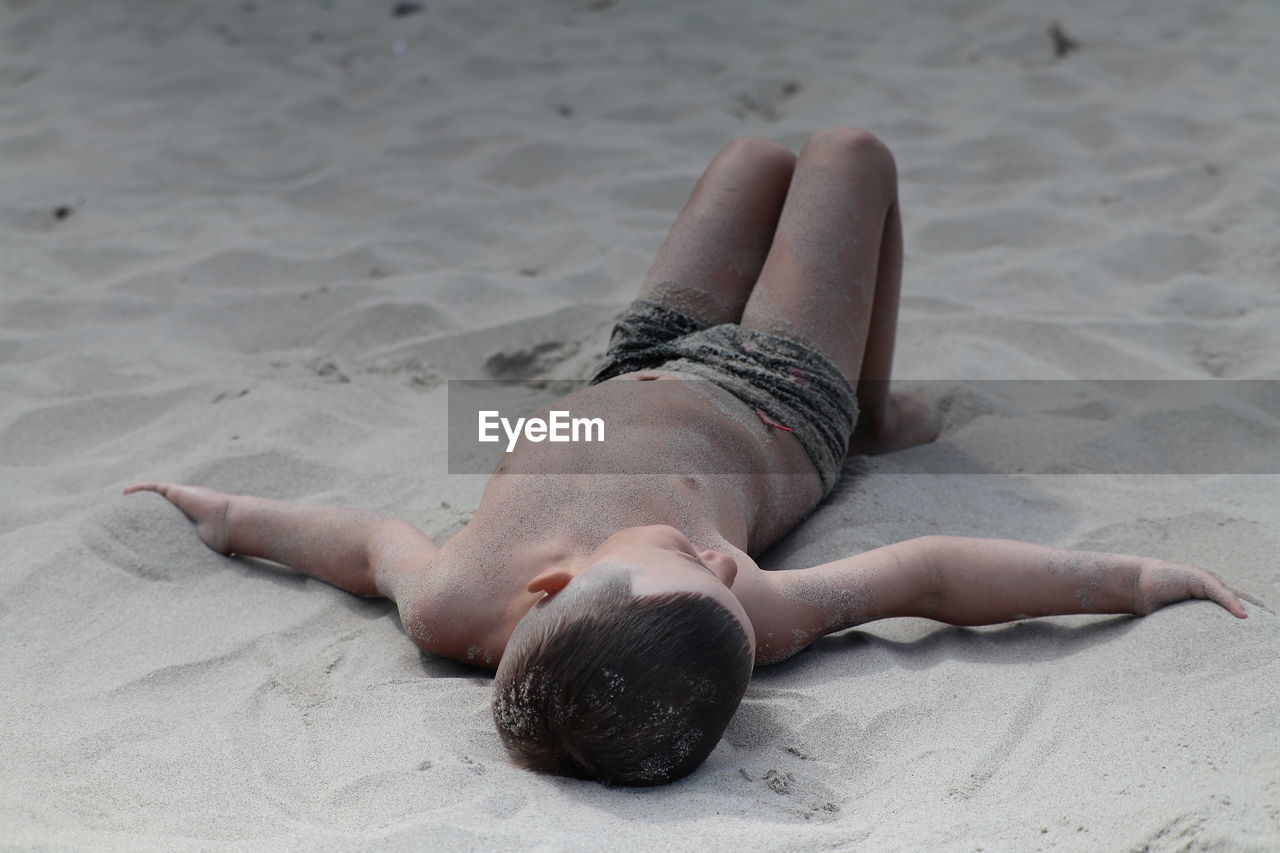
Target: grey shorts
<point>794,386</point>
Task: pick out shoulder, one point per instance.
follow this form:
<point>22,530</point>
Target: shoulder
<point>781,626</point>
<point>791,608</point>
<point>448,611</point>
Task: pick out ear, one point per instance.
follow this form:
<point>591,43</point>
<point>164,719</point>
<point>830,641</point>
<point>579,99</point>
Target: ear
<point>551,581</point>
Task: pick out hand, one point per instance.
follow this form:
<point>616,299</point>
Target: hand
<point>1161,583</point>
<point>207,508</point>
<point>911,421</point>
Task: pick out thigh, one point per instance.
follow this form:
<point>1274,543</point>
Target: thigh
<point>716,248</point>
<point>837,242</point>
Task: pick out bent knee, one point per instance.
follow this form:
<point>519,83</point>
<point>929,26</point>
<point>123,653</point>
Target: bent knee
<point>853,143</point>
<point>761,151</point>
<point>852,140</point>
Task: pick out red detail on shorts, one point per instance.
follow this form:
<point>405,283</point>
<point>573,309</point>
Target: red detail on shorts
<point>765,418</point>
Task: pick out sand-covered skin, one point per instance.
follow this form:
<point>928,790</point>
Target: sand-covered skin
<point>245,244</point>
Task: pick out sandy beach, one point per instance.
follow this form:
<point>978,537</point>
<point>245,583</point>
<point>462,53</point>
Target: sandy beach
<point>245,245</point>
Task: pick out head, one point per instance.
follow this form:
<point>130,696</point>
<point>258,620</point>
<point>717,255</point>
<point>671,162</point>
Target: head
<point>630,667</point>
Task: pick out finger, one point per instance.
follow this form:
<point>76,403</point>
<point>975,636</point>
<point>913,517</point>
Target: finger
<point>1254,600</point>
<point>1220,593</point>
<point>1240,593</point>
<point>167,490</point>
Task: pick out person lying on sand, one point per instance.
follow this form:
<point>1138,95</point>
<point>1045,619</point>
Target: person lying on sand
<point>624,612</point>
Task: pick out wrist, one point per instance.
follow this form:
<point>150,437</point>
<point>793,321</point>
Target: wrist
<point>224,525</point>
<point>1142,592</point>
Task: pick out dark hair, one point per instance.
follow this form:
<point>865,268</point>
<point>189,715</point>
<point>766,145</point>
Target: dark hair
<point>624,689</point>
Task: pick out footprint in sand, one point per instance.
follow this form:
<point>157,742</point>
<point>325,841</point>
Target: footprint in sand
<point>527,362</point>
<point>764,100</point>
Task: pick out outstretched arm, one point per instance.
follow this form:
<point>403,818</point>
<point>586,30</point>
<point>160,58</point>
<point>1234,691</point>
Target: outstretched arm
<point>965,581</point>
<point>351,549</point>
<point>984,581</point>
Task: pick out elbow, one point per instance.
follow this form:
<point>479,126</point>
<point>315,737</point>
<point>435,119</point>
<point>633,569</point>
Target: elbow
<point>384,548</point>
<point>924,562</point>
